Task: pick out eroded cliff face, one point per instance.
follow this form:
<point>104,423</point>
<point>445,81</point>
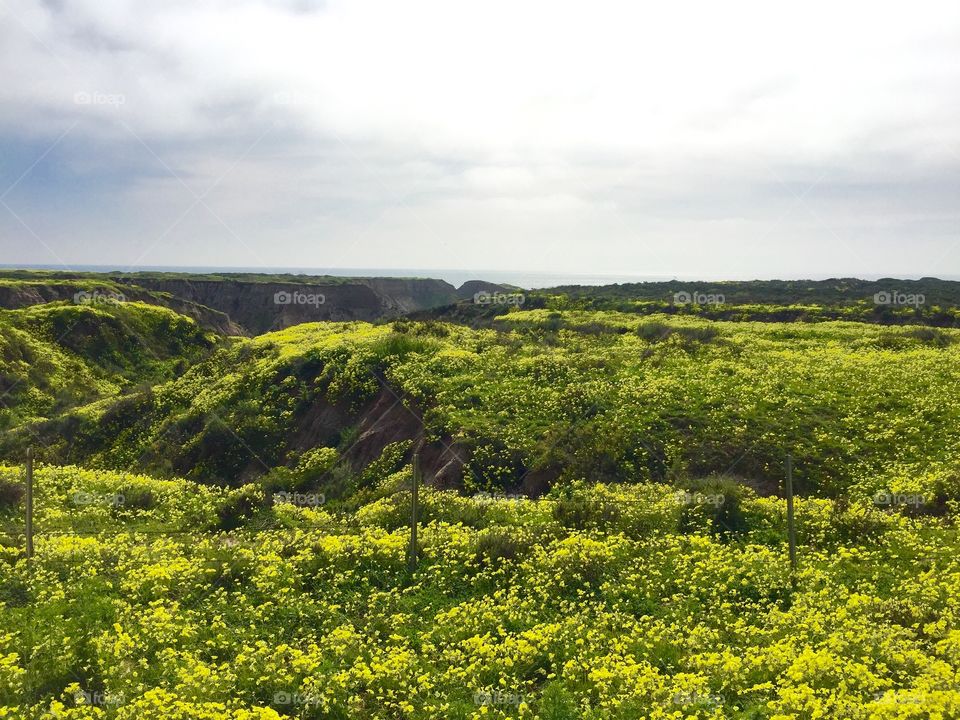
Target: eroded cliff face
<point>260,307</point>
<point>407,295</point>
<point>232,306</point>
<point>472,287</point>
<point>21,295</point>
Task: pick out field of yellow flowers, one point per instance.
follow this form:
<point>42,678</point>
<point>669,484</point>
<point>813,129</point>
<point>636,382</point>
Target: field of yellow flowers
<point>595,601</point>
<point>203,560</point>
<point>573,395</point>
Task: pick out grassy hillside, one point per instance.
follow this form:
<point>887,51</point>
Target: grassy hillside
<point>861,309</point>
<point>59,355</point>
<point>601,534</point>
<point>237,303</point>
<point>551,397</point>
<point>594,602</point>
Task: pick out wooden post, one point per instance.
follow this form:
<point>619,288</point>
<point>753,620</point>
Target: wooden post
<point>791,524</point>
<point>414,501</point>
<point>29,499</point>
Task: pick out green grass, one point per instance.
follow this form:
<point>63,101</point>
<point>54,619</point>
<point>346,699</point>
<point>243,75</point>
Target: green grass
<point>59,355</point>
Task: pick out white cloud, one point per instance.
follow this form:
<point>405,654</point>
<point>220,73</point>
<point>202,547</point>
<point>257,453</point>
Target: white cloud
<point>569,136</point>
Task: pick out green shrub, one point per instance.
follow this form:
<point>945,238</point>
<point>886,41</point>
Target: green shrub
<point>654,331</point>
<point>136,498</point>
<point>497,545</point>
<point>399,345</point>
<point>931,336</point>
<point>239,506</point>
<point>11,493</point>
<point>576,507</point>
<point>713,504</point>
<point>701,334</point>
<point>557,703</point>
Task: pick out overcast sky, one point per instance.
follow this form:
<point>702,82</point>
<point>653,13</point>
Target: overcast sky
<point>736,139</point>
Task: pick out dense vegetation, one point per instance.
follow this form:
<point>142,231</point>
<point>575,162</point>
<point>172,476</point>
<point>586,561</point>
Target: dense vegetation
<point>843,307</point>
<point>222,525</point>
<point>837,291</point>
<point>593,602</point>
<point>59,355</point>
<point>559,396</point>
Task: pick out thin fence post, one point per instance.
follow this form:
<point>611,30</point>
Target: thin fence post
<point>414,501</point>
<point>28,525</point>
<point>791,523</point>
